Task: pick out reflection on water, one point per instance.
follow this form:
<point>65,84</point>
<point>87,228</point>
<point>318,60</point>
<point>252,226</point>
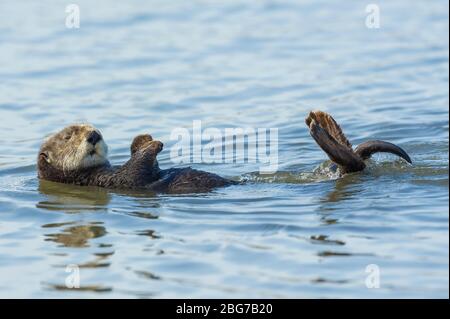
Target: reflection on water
<point>147,275</point>
<point>149,233</point>
<point>93,288</point>
<point>345,188</point>
<point>323,239</point>
<point>76,236</point>
<point>159,65</point>
<point>72,198</point>
<point>146,215</point>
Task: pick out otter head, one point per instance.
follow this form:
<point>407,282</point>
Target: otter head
<point>75,147</point>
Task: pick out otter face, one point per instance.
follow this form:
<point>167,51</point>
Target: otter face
<point>75,147</point>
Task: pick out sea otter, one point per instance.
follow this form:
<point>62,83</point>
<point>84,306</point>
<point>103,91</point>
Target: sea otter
<point>78,155</point>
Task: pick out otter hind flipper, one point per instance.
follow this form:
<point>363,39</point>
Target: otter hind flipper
<point>366,149</point>
<point>327,122</point>
<point>340,154</point>
<point>328,134</point>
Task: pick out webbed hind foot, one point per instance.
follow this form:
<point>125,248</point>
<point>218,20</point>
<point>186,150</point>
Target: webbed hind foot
<point>341,154</point>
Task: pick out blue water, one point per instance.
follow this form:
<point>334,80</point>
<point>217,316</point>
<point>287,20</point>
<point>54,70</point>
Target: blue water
<point>157,65</point>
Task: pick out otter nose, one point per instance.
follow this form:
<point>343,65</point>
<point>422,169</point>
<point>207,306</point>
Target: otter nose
<point>94,137</point>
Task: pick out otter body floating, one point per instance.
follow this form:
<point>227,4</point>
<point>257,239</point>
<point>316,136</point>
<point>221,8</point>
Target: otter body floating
<point>78,155</point>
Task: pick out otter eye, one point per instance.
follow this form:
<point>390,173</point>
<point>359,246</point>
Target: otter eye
<point>67,136</point>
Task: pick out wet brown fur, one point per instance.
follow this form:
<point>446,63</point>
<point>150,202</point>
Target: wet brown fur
<point>141,171</point>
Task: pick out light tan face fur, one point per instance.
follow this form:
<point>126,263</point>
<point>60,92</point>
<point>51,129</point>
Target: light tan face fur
<point>69,149</point>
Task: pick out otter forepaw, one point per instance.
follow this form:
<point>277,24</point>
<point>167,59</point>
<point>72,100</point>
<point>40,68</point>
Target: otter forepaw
<point>155,146</point>
<point>140,142</point>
